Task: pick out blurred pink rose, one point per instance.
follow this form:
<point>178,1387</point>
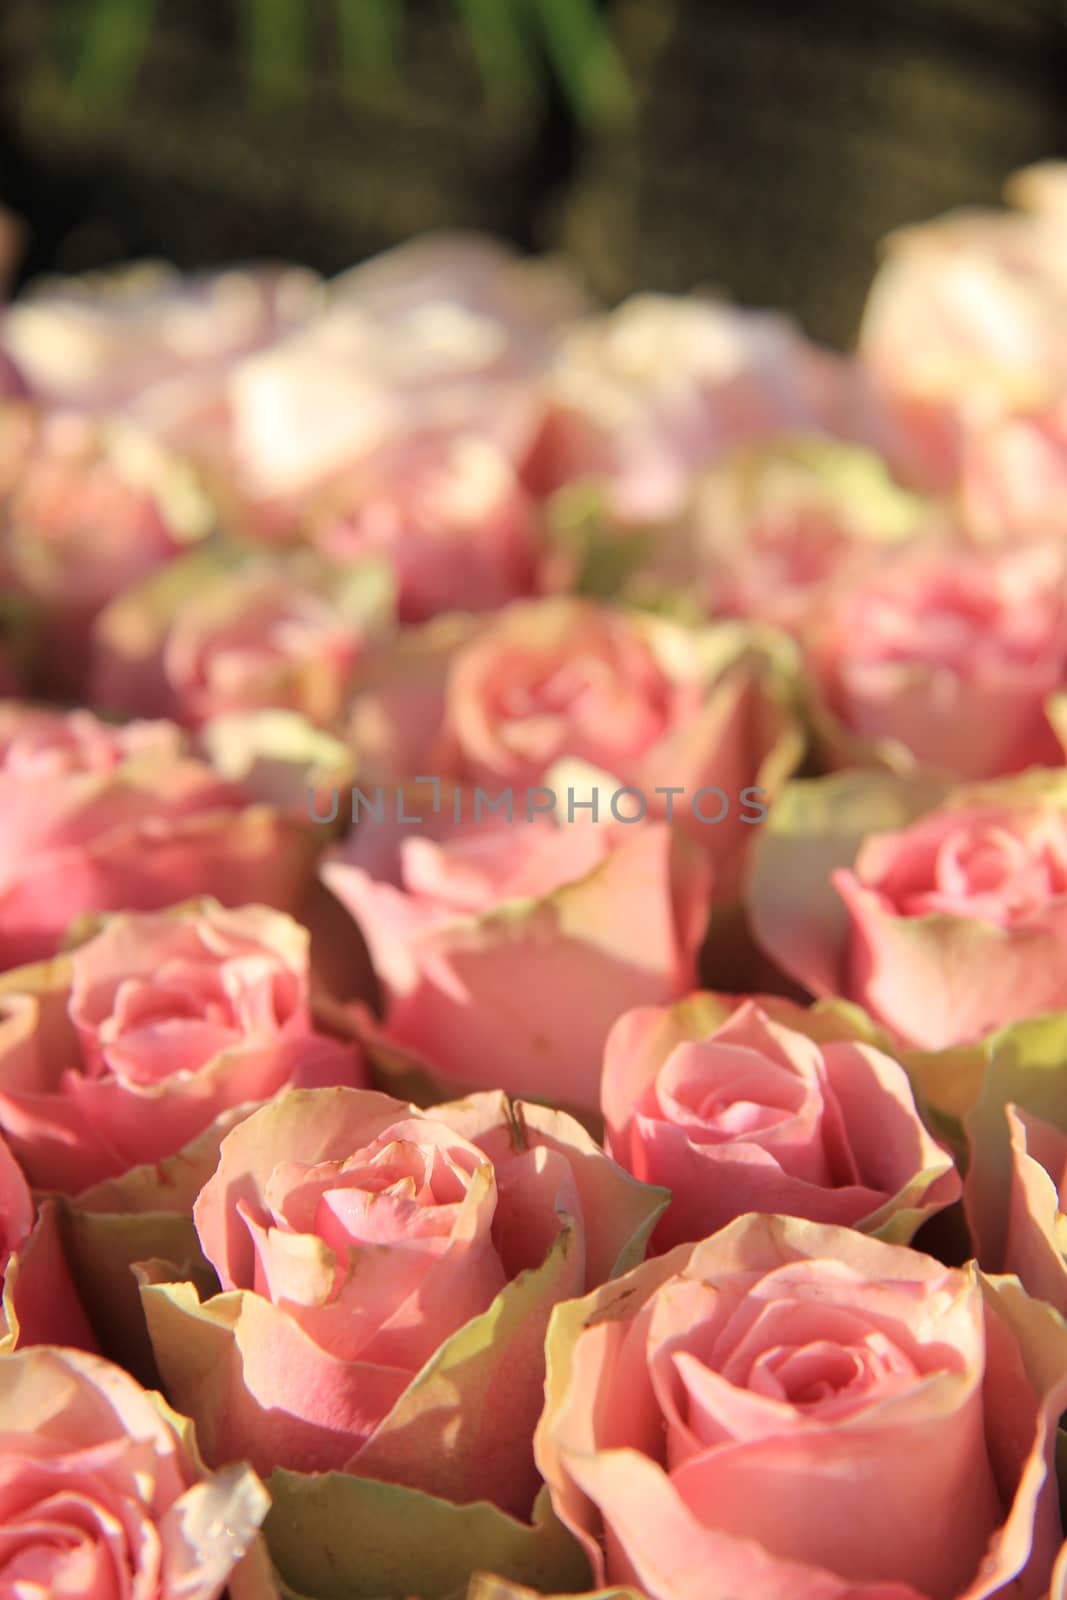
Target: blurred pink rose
<point>445,337</point>
<point>447,513</point>
<point>95,817</point>
<point>506,949</point>
<point>104,1499</point>
<point>214,636</point>
<point>145,341</point>
<point>958,923</point>
<point>807,1413</point>
<point>943,654</point>
<point>641,700</point>
<point>87,507</point>
<point>643,398</point>
<point>746,1112</point>
<point>965,320</point>
<point>1014,473</point>
<point>124,1051</point>
<point>772,525</point>
<point>365,1249</point>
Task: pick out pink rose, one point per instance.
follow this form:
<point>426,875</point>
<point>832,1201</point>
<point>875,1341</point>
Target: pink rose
<point>87,507</point>
<point>143,340</point>
<point>506,949</point>
<point>965,320</point>
<point>95,817</point>
<point>706,713</point>
<point>943,920</point>
<point>122,1052</point>
<point>103,1497</point>
<point>1014,473</point>
<point>218,634</point>
<point>807,1413</point>
<point>943,655</point>
<point>773,524</point>
<point>643,398</point>
<point>387,1276</point>
<point>446,512</point>
<point>444,337</point>
<point>744,1109</point>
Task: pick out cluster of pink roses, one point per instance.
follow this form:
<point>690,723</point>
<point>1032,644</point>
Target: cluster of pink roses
<point>446,1200</point>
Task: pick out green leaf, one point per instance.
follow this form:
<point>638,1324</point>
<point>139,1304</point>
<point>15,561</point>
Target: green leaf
<point>114,43</point>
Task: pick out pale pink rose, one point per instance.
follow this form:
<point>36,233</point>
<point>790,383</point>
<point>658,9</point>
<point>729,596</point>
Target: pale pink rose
<point>708,713</point>
<point>958,924</point>
<point>95,817</point>
<point>1036,1237</point>
<point>748,1112</point>
<point>1014,473</point>
<point>224,639</point>
<point>122,1052</point>
<point>145,341</point>
<point>965,319</point>
<point>944,655</point>
<point>807,1414</point>
<point>447,513</point>
<point>445,336</point>
<point>365,1250</point>
<point>643,398</point>
<point>506,949</point>
<point>87,507</point>
<point>104,1499</point>
<point>774,523</point>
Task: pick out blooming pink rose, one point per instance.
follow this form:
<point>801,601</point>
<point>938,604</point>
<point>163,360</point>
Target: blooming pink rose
<point>387,1276</point>
<point>95,817</point>
<point>942,912</point>
<point>448,514</point>
<point>648,703</point>
<point>87,507</point>
<point>506,949</point>
<point>958,924</point>
<point>218,634</point>
<point>945,655</point>
<point>122,1052</point>
<point>1036,1247</point>
<point>807,1414</point>
<point>143,340</point>
<point>102,1496</point>
<point>746,1111</point>
<point>643,398</point>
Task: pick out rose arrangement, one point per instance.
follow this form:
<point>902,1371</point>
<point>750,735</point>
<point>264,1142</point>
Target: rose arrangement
<point>533,934</point>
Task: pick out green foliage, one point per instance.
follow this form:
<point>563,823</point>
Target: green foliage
<point>513,42</point>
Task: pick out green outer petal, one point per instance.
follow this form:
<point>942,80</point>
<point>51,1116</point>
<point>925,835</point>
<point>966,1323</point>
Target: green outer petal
<point>346,1538</point>
<point>455,1425</point>
<point>490,1586</point>
<point>102,1249</point>
<point>1026,1064</point>
<point>815,825</point>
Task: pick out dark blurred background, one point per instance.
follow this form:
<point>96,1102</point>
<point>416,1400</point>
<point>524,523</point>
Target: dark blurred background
<point>762,147</point>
